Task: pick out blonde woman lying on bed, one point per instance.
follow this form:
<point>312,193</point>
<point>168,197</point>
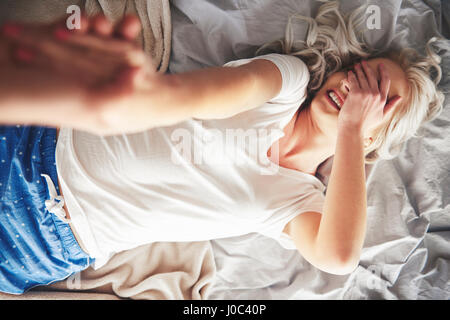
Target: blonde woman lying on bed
<point>149,157</point>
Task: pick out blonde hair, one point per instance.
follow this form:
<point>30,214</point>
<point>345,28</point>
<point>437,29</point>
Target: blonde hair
<point>332,44</point>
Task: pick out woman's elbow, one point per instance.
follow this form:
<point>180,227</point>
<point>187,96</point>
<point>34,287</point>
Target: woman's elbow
<point>339,265</point>
<point>342,268</point>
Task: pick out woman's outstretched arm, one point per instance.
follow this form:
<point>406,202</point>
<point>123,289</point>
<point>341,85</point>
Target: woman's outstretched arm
<point>211,93</point>
<point>136,99</point>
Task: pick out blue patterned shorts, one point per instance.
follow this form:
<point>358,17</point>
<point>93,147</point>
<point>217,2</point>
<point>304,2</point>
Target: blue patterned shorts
<point>36,247</point>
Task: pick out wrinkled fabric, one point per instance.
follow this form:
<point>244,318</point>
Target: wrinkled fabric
<point>157,271</point>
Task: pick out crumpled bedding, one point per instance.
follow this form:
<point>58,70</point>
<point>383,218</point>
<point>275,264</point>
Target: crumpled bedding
<point>156,271</point>
<point>406,253</point>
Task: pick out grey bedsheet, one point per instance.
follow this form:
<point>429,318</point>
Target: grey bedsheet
<point>407,251</point>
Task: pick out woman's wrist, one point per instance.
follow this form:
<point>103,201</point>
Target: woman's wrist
<point>151,101</point>
<point>352,129</point>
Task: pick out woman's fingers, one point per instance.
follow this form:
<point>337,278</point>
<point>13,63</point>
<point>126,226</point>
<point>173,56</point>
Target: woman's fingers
<point>102,26</point>
<point>361,77</point>
<point>89,65</point>
<point>104,50</point>
<point>11,30</point>
<point>371,76</point>
<point>93,57</point>
<point>31,37</point>
<point>109,46</point>
<point>353,82</point>
<point>24,55</point>
<point>129,28</point>
<point>85,24</point>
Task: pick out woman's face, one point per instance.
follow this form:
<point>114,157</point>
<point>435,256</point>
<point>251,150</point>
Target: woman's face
<point>329,99</point>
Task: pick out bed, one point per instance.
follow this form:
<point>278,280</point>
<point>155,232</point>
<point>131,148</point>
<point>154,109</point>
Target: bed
<point>406,253</point>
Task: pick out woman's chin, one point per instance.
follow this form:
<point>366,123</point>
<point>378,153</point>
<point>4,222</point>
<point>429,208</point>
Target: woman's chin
<point>323,108</point>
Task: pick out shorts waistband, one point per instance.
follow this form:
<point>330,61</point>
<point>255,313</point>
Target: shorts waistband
<point>70,243</point>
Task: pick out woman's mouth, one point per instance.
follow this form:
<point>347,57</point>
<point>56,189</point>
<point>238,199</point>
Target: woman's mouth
<point>334,99</point>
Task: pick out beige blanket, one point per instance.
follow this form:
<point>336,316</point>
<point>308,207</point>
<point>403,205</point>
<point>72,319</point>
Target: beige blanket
<point>154,271</point>
<point>169,271</point>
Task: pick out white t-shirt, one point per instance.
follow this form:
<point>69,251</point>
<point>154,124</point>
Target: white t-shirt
<point>194,181</point>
